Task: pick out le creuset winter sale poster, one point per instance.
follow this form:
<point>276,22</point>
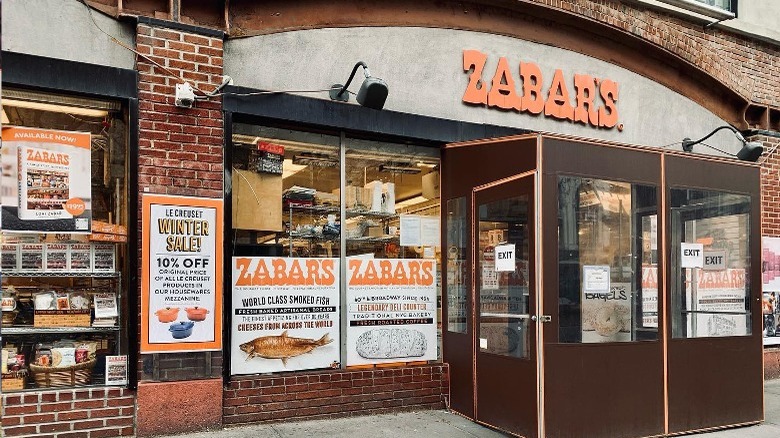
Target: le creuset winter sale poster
<point>181,296</point>
<point>285,314</point>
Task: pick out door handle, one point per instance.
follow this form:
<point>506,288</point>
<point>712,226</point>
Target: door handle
<point>543,318</point>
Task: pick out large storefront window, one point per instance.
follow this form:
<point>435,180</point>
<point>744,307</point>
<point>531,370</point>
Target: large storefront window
<point>608,269</point>
<point>336,252</point>
<point>64,228</point>
<point>710,262</point>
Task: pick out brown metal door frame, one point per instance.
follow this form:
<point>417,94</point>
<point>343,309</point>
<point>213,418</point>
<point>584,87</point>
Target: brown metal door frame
<point>571,384</point>
<point>535,355</point>
<point>461,172</point>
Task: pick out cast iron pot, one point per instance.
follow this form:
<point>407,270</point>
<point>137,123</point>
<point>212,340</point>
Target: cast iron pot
<point>196,313</point>
<point>181,330</point>
<point>168,314</point>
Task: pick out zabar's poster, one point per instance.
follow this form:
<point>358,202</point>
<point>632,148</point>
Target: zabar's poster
<point>717,301</point>
<point>44,187</point>
<point>181,294</point>
<point>285,314</point>
<point>392,310</point>
<point>606,306</point>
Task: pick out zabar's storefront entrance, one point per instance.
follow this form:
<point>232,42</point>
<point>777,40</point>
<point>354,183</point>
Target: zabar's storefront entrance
<point>590,298</point>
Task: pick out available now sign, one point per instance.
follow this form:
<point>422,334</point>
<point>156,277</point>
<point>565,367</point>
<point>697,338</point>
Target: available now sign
<point>591,101</point>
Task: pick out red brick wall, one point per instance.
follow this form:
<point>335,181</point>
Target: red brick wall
<point>747,66</point>
<point>770,185</point>
<point>180,150</point>
<point>327,394</point>
<point>70,413</point>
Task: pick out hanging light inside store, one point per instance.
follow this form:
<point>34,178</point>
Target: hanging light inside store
<point>372,94</point>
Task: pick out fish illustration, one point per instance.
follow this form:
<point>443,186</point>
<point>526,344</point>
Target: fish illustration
<point>282,346</point>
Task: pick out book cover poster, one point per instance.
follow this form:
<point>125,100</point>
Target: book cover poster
<point>46,182</point>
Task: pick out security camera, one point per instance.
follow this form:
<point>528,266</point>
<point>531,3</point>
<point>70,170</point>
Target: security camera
<point>185,96</point>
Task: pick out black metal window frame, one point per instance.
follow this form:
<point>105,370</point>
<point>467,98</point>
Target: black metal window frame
<point>100,82</point>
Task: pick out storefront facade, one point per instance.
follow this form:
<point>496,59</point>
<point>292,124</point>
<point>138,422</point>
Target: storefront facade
<point>290,256</point>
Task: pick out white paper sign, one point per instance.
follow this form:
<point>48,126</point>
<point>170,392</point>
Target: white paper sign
<point>392,310</point>
<point>691,255</point>
<point>505,258</point>
<point>714,260</point>
<point>595,278</point>
<point>430,234</point>
<point>285,314</point>
<point>410,230</point>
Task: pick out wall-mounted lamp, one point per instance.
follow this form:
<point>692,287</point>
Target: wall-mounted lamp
<point>750,151</point>
<point>372,93</point>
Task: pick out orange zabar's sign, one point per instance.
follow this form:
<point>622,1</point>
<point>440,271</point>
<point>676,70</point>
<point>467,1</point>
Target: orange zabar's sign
<point>555,102</point>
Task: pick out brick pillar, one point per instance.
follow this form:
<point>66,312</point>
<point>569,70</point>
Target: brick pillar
<point>180,153</point>
<point>770,221</point>
<point>770,185</point>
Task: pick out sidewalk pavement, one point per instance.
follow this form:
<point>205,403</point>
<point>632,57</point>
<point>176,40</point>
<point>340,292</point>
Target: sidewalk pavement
<point>442,424</point>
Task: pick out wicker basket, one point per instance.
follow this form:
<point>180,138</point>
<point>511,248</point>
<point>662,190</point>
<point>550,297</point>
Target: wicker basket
<point>74,375</point>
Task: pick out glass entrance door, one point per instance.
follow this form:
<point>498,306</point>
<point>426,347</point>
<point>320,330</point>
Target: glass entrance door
<point>505,328</point>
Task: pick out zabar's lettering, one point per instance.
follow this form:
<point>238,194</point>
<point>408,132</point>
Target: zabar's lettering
<point>390,272</point>
<point>47,157</point>
<point>285,272</point>
<point>595,100</point>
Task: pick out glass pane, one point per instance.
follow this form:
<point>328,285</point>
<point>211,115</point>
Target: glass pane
<point>285,193</point>
<point>504,304</point>
<point>608,272</point>
<point>457,265</point>
<point>286,242</point>
<point>40,291</point>
<point>710,263</point>
<point>392,228</point>
<point>723,4</point>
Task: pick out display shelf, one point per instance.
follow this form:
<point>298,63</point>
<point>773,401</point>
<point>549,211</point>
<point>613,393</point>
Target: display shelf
<point>49,274</point>
<point>314,208</point>
<point>351,212</point>
<point>29,330</point>
<point>368,239</point>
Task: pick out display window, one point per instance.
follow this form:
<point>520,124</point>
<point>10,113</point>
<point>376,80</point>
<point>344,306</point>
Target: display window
<point>608,267</point>
<point>457,265</point>
<point>711,260</point>
<point>335,251</point>
<point>64,234</point>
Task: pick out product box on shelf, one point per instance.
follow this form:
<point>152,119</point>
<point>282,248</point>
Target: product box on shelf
<point>354,197</point>
<point>103,257</point>
<point>80,257</point>
<point>10,256</point>
<point>57,256</point>
<point>31,257</point>
<point>257,201</point>
<point>106,232</point>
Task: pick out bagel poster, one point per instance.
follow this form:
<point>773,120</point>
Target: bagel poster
<point>606,306</point>
<point>43,184</point>
<point>391,314</point>
<point>285,314</point>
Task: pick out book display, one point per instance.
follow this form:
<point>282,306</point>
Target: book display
<point>61,244</point>
<point>58,325</point>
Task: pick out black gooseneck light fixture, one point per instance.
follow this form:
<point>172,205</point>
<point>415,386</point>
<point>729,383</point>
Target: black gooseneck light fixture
<point>372,93</point>
<point>751,151</point>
